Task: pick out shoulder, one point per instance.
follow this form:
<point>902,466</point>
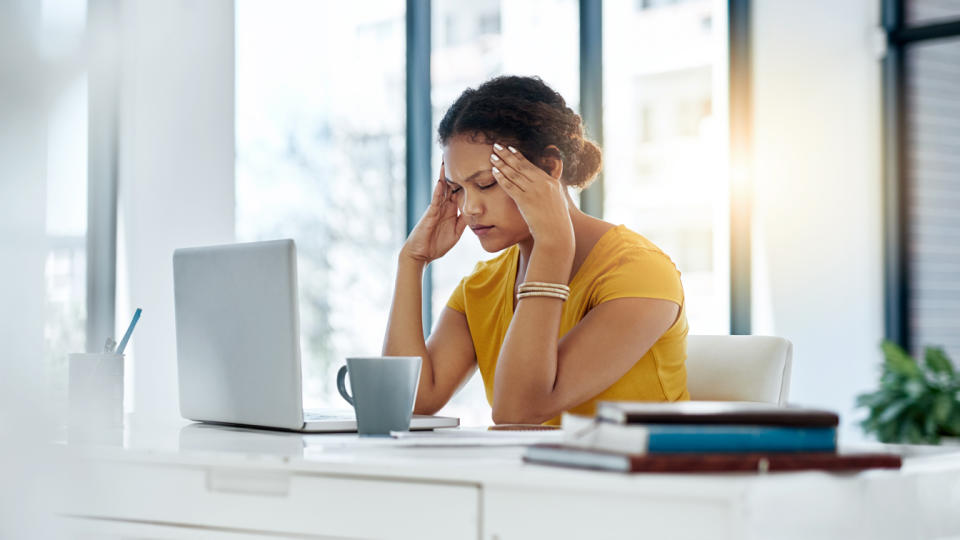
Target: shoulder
<point>629,264</point>
<point>622,245</point>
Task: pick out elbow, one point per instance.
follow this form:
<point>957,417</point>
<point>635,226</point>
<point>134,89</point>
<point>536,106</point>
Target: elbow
<point>427,407</point>
<point>503,414</point>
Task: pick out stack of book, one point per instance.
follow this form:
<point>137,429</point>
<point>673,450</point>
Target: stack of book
<point>703,436</point>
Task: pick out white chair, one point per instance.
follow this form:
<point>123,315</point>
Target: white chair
<point>739,368</point>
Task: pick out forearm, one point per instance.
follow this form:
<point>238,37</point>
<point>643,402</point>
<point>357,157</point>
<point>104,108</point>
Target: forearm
<point>404,335</point>
<point>527,366</point>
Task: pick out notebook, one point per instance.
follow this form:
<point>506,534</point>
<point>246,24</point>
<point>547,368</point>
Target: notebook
<point>571,456</point>
<point>714,412</point>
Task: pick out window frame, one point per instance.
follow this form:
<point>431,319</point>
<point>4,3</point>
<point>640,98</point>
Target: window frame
<point>899,36</point>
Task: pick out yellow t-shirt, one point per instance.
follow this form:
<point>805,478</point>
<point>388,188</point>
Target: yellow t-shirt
<point>622,264</point>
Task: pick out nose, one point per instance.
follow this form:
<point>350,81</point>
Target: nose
<point>471,204</point>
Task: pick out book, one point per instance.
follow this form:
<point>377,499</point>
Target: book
<point>577,457</point>
<point>714,412</point>
<point>675,438</point>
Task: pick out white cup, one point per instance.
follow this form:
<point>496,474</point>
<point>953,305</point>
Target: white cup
<point>96,397</point>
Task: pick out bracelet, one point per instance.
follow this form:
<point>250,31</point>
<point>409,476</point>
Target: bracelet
<point>540,285</point>
<point>544,294</point>
<point>542,289</point>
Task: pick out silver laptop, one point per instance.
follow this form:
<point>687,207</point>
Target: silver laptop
<point>238,340</point>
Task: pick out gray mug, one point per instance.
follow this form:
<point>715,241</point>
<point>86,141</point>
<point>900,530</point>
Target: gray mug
<point>384,389</point>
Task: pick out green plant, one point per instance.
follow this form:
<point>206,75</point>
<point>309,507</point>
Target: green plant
<point>916,403</point>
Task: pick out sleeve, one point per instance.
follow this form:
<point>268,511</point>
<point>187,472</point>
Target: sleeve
<point>641,273</point>
<point>457,299</point>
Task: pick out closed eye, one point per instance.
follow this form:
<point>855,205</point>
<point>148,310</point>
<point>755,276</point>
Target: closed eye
<point>490,185</point>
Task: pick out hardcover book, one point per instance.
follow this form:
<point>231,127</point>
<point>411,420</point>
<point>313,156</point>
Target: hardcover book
<point>573,456</point>
<point>714,412</point>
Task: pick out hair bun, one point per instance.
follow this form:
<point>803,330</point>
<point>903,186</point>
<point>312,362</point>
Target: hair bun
<point>589,160</point>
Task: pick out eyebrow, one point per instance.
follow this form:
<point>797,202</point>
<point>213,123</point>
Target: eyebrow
<point>472,177</point>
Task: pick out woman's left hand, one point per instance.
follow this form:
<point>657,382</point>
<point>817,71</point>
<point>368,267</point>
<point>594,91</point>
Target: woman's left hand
<point>541,198</point>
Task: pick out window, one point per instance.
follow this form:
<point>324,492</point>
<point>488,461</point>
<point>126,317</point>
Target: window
<point>932,194</point>
<point>320,158</point>
<point>932,11</point>
<point>922,230</point>
<point>520,43</point>
<point>661,61</point>
<point>320,140</point>
<point>64,24</point>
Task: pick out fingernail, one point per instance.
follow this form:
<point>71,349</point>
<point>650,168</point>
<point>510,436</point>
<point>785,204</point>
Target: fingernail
<point>512,149</point>
<point>496,170</point>
<point>497,146</point>
<point>494,157</point>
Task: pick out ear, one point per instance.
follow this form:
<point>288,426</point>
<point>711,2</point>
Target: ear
<point>552,161</point>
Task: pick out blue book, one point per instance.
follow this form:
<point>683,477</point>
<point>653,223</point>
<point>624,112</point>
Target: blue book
<point>677,438</point>
<point>664,438</point>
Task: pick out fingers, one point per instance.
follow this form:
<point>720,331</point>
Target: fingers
<point>513,165</point>
<point>439,194</point>
<point>461,224</point>
<point>506,183</point>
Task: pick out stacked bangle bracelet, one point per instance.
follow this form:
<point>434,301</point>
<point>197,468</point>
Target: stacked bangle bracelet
<point>528,289</point>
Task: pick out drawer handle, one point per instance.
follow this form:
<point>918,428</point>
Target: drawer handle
<point>276,484</point>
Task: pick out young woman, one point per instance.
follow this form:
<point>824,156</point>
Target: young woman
<point>573,310</point>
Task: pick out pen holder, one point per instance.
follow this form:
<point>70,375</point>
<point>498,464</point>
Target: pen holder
<point>96,397</point>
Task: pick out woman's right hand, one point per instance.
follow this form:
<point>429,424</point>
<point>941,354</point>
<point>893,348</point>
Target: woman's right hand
<point>439,228</point>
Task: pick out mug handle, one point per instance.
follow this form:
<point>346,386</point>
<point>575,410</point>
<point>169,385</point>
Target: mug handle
<point>341,386</point>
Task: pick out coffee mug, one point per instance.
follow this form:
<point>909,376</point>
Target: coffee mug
<point>384,389</point>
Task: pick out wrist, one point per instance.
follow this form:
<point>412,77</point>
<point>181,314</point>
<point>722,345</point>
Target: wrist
<point>555,248</point>
<point>411,261</point>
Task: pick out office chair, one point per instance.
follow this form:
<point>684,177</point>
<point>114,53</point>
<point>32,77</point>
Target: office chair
<point>739,368</point>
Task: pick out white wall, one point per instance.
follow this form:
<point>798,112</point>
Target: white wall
<point>176,174</point>
<point>818,271</point>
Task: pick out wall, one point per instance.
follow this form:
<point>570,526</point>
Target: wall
<point>176,172</point>
<point>818,193</point>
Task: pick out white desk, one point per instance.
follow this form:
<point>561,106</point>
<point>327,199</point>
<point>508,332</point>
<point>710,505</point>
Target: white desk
<point>194,481</point>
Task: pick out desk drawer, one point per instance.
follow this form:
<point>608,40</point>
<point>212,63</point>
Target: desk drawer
<point>275,501</point>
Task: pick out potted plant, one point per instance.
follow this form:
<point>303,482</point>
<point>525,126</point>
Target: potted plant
<point>916,403</point>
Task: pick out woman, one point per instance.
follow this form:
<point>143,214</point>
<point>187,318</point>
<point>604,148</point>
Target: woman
<point>574,310</point>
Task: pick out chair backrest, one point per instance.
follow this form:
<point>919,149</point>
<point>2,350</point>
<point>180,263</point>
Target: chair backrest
<point>739,368</point>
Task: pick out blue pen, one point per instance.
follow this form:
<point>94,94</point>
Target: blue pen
<point>126,337</point>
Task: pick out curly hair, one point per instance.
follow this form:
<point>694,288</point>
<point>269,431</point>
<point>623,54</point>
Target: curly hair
<point>529,115</point>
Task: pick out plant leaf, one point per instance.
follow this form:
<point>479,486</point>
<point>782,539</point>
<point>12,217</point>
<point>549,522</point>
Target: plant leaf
<point>937,361</point>
<point>894,410</point>
<point>899,362</point>
<point>942,407</point>
<point>915,388</point>
<point>874,399</point>
<point>953,426</point>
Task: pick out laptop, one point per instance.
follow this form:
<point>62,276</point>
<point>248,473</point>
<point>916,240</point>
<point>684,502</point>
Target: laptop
<point>238,341</point>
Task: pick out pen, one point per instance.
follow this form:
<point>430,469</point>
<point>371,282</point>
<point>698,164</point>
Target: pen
<point>126,337</point>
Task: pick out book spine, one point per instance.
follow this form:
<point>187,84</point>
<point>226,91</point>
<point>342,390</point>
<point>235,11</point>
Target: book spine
<point>684,438</point>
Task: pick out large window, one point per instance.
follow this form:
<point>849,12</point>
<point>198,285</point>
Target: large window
<point>933,193</point>
<point>320,158</point>
<point>320,149</point>
<point>64,24</point>
<point>665,133</point>
<point>922,71</point>
<point>473,42</point>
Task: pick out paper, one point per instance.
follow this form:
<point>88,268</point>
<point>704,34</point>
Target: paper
<point>474,437</point>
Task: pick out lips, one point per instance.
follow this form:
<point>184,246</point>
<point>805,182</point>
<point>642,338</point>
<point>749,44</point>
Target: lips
<point>481,230</point>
